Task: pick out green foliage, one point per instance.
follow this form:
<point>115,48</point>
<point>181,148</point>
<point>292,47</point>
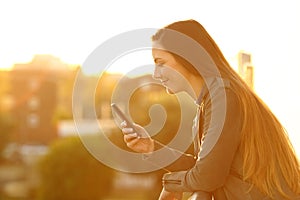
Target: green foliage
<point>69,172</point>
<point>6,126</point>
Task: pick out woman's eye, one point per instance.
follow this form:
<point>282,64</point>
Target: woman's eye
<point>159,64</point>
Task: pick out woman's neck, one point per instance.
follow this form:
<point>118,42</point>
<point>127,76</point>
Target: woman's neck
<point>197,84</point>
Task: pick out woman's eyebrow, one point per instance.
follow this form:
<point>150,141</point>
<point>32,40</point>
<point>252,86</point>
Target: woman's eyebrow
<point>156,60</point>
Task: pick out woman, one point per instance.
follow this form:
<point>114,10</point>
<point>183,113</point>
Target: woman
<point>245,152</point>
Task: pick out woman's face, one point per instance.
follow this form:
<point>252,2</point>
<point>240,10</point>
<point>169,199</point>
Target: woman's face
<point>171,73</point>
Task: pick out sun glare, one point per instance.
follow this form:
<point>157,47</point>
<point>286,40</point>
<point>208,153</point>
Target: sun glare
<point>134,63</point>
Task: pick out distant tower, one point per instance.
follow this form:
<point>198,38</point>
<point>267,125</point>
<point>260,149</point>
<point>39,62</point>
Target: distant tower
<point>245,68</point>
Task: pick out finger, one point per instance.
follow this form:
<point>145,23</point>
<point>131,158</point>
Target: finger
<point>129,137</point>
<point>123,124</point>
<point>133,142</point>
<point>142,132</point>
<point>127,130</point>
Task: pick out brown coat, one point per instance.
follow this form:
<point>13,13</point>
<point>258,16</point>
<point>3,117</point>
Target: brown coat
<point>218,169</point>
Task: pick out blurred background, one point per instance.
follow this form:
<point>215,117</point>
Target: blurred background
<point>42,47</point>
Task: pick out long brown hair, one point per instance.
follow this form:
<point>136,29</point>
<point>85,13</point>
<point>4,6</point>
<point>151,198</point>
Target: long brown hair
<point>268,154</point>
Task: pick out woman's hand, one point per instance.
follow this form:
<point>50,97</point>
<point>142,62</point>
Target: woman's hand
<point>140,142</point>
<point>165,195</point>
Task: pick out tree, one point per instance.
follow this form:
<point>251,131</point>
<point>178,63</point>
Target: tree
<point>6,126</point>
<point>68,171</point>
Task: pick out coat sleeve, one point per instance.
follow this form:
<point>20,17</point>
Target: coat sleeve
<point>220,142</point>
<point>184,162</point>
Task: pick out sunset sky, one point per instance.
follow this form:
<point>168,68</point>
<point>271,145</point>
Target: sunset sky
<point>71,30</point>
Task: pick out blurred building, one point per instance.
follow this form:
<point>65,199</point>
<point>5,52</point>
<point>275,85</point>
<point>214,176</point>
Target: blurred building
<point>34,92</point>
<point>245,68</point>
<point>5,102</point>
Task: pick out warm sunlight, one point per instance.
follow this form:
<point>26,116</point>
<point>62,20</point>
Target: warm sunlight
<point>31,27</point>
<point>134,63</point>
<point>60,138</point>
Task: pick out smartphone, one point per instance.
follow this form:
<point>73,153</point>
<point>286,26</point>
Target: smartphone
<point>122,116</point>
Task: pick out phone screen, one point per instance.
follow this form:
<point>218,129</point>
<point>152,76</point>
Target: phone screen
<point>122,116</point>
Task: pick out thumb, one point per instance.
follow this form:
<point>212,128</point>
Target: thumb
<point>141,131</point>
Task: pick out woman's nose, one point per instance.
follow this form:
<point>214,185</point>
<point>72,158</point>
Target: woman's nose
<point>157,73</point>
